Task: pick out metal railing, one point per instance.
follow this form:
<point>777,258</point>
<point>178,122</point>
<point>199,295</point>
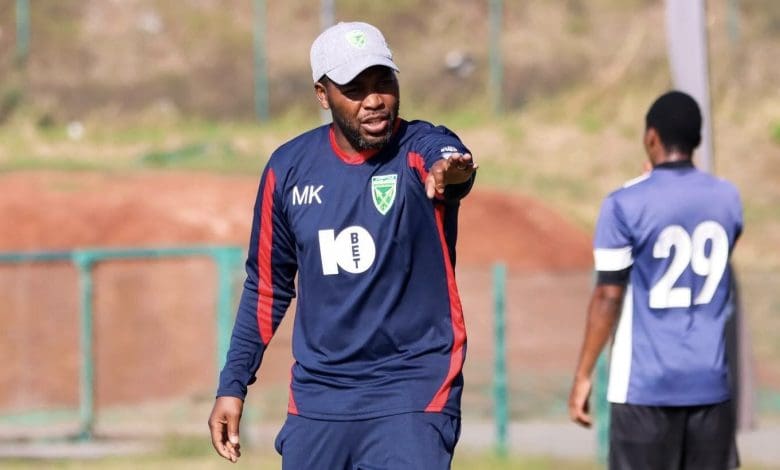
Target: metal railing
<point>226,258</point>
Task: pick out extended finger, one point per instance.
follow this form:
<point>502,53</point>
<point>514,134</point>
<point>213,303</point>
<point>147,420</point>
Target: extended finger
<point>434,183</point>
<point>430,186</point>
<point>462,160</point>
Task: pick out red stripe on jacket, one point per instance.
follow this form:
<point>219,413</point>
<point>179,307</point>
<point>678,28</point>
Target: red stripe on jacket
<point>265,290</point>
<point>292,407</point>
<point>417,162</point>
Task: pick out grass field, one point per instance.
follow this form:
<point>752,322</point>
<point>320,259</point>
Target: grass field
<point>197,454</point>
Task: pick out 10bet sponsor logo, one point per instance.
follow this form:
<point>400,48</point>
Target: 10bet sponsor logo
<point>352,250</point>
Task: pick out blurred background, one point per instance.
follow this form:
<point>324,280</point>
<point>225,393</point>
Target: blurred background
<point>132,136</point>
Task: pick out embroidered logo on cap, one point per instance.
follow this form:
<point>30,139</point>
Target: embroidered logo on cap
<point>356,38</point>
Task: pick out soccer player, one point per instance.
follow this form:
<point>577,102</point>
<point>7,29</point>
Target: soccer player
<point>364,211</point>
<point>662,248</point>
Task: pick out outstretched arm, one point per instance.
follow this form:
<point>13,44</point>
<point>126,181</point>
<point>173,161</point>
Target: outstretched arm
<point>603,313</point>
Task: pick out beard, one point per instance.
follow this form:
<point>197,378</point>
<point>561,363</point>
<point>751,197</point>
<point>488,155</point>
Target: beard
<point>359,142</point>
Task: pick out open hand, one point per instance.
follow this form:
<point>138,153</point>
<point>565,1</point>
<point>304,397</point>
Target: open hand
<point>456,169</point>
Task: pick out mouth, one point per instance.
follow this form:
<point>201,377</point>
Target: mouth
<point>376,124</point>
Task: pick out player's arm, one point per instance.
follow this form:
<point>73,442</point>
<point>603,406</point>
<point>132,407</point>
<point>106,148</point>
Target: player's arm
<point>603,313</point>
<point>268,290</point>
<point>613,259</point>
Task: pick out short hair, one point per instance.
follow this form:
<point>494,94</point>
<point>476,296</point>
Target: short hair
<point>677,119</point>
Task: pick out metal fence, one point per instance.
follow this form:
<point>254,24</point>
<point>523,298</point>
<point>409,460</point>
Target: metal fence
<point>155,341</point>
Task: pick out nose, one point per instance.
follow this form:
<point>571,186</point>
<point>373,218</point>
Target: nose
<point>373,100</point>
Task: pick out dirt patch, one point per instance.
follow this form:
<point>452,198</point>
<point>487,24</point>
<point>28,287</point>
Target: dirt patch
<point>154,320</point>
<point>58,211</point>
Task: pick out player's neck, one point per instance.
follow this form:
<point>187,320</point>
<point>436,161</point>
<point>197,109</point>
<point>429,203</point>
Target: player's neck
<point>672,157</point>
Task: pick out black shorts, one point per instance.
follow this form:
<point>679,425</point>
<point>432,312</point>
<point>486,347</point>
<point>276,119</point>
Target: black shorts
<point>672,438</point>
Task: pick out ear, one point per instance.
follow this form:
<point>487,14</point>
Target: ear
<point>653,145</point>
<point>650,136</point>
<point>322,95</point>
<point>652,140</point>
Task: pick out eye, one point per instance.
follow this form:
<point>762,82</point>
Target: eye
<point>387,83</point>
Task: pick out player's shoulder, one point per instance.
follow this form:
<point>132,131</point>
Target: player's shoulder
<point>419,129</point>
<point>628,188</point>
<point>720,187</point>
<point>726,184</point>
<point>635,181</point>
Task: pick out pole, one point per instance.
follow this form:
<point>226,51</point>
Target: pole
<point>327,13</point>
<point>227,258</point>
<point>601,408</point>
<point>22,30</point>
<point>327,19</point>
<point>261,68</point>
<point>500,384</point>
<point>495,56</point>
<point>83,262</point>
<point>686,31</point>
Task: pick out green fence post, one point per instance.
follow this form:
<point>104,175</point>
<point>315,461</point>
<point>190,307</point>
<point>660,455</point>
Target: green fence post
<point>601,408</point>
<point>83,261</point>
<point>500,379</point>
<point>227,259</point>
<point>261,71</point>
<point>22,30</point>
<point>495,55</point>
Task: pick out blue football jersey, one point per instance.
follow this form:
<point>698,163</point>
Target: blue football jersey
<point>379,326</point>
<point>675,229</point>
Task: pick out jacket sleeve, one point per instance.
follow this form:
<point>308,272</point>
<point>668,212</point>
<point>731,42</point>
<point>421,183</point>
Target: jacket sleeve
<point>268,289</point>
<point>440,142</point>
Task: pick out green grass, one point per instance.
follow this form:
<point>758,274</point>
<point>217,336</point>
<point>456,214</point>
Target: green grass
<point>197,453</point>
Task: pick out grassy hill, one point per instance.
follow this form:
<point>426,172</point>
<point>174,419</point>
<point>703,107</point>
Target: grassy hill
<point>142,83</point>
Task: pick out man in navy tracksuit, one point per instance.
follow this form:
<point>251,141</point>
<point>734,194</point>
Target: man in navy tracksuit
<point>364,211</point>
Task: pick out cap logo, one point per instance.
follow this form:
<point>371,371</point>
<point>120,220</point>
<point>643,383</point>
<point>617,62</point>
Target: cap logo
<point>356,38</point>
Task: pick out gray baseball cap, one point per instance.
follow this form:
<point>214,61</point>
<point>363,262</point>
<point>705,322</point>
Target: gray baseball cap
<point>345,49</point>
